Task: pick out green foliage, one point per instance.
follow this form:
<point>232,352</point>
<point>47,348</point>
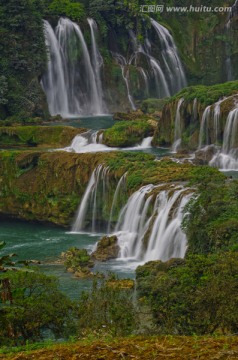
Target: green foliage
<point>36,305</point>
<point>76,259</point>
<point>207,95</point>
<point>149,106</point>
<point>23,55</point>
<point>107,310</point>
<point>211,224</point>
<point>71,9</point>
<point>196,296</point>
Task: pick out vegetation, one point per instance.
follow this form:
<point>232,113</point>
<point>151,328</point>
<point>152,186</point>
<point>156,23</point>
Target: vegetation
<point>125,133</point>
<point>197,295</point>
<point>212,223</point>
<point>107,311</point>
<point>33,136</point>
<point>207,95</point>
<point>70,9</point>
<point>143,348</point>
<point>78,261</point>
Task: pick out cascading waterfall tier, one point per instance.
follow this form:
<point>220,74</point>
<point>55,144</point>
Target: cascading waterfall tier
<point>148,226</point>
<point>227,157</point>
<point>72,85</point>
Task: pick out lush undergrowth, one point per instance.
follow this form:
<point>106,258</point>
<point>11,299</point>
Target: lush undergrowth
<point>141,348</point>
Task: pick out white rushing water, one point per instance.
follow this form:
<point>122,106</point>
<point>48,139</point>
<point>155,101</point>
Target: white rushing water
<point>162,214</point>
<point>177,127</point>
<point>170,57</point>
<point>204,134</point>
<point>124,64</point>
<point>69,91</point>
<point>91,141</point>
<point>227,157</point>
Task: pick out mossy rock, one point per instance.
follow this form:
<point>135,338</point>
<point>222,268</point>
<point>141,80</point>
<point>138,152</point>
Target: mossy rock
<point>125,134</point>
<point>107,249</point>
<point>78,261</point>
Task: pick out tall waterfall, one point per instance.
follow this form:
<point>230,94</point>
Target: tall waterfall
<point>70,83</point>
<point>97,62</point>
<point>170,57</point>
<point>177,127</point>
<point>148,226</point>
<point>227,158</point>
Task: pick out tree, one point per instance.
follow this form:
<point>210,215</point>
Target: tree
<point>36,305</point>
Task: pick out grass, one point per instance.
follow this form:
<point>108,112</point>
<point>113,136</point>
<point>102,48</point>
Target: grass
<point>142,348</point>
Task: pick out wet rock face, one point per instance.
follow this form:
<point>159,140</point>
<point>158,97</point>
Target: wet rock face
<point>203,156</point>
<point>107,249</point>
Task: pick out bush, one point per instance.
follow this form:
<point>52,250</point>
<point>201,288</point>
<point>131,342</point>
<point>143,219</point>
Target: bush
<point>107,310</point>
<point>198,295</point>
<point>73,10</point>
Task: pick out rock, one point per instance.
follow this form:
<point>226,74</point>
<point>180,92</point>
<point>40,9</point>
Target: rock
<point>107,248</point>
<point>203,156</point>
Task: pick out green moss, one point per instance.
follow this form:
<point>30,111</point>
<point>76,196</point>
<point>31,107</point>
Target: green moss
<point>37,136</point>
<point>125,134</point>
<point>207,95</point>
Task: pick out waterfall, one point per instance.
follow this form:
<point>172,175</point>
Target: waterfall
<point>97,62</point>
<point>53,81</point>
<point>170,56</point>
<point>70,83</point>
<point>204,134</point>
<point>148,225</point>
<point>217,115</point>
<point>227,158</point>
<point>166,238</point>
<point>146,80</point>
<point>195,109</point>
<point>132,223</point>
<point>177,127</point>
<point>95,193</point>
<point>120,187</point>
<point>91,141</point>
<point>228,64</point>
<point>121,60</point>
<point>162,86</point>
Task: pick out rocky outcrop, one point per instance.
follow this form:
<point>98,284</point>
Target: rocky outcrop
<point>78,262</point>
<point>193,102</point>
<point>107,249</point>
